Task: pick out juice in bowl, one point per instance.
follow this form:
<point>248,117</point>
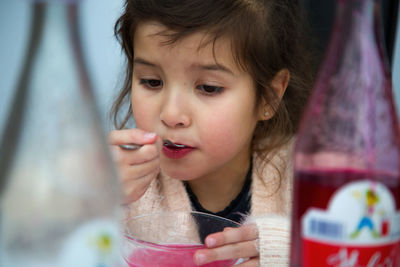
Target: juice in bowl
<point>171,238</point>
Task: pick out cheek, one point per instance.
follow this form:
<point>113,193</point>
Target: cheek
<point>142,114</point>
<point>227,134</point>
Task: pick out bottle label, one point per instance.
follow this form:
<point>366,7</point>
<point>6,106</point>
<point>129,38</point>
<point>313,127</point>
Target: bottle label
<point>360,227</point>
<point>95,244</point>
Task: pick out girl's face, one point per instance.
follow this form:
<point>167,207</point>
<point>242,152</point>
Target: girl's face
<point>205,104</point>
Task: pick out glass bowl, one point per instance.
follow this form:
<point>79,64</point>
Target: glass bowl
<point>166,239</point>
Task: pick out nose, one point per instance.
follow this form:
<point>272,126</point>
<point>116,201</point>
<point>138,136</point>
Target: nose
<point>175,113</point>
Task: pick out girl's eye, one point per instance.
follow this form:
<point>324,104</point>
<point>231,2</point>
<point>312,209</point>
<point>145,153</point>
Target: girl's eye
<point>210,90</point>
<point>151,83</point>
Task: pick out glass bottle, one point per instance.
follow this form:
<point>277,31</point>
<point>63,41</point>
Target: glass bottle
<point>346,206</point>
<point>59,195</point>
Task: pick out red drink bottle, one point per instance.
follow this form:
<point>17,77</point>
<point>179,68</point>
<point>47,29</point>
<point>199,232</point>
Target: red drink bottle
<point>346,208</point>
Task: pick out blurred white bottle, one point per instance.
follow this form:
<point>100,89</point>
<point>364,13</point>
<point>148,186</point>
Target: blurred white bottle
<point>59,195</point>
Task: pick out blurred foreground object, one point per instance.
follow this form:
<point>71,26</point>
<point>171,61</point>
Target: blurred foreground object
<point>59,195</point>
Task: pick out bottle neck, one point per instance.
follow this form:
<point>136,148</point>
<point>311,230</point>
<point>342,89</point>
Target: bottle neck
<point>55,36</point>
<point>53,21</point>
<point>355,16</point>
<point>353,34</point>
<point>56,1</point>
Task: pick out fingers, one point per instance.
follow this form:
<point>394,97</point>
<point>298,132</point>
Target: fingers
<point>232,243</point>
<point>247,249</point>
<point>254,262</point>
<point>128,136</point>
<point>132,157</point>
<point>135,188</point>
<point>232,235</point>
<point>136,168</point>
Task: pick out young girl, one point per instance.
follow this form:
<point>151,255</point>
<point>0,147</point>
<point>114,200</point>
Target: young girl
<point>216,89</point>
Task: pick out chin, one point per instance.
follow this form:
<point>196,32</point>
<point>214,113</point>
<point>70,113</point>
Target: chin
<point>181,175</point>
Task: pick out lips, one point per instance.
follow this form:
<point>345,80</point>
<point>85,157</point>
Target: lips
<point>175,150</point>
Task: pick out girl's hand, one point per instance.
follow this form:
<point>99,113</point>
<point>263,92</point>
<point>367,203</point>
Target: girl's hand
<point>136,168</point>
<point>232,243</point>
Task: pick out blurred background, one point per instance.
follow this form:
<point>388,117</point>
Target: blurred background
<point>103,54</point>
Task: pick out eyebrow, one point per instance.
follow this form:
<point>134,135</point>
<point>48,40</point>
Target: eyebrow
<point>212,67</point>
<point>144,62</point>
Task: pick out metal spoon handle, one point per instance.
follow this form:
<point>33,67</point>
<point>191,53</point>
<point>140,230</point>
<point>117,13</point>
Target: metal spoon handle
<point>130,146</point>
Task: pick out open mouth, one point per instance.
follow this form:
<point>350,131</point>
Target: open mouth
<point>172,145</point>
<point>175,151</point>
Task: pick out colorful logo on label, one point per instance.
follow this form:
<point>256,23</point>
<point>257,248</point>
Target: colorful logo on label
<point>359,226</point>
<point>370,199</point>
<point>94,244</point>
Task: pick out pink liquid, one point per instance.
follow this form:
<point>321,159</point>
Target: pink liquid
<point>315,189</point>
<point>175,255</point>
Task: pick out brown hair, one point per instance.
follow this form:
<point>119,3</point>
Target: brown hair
<point>267,36</point>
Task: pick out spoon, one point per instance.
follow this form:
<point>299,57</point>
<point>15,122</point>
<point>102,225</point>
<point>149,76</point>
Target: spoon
<point>131,146</point>
<point>172,144</point>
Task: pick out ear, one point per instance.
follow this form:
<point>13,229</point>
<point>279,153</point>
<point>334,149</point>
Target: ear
<point>279,84</point>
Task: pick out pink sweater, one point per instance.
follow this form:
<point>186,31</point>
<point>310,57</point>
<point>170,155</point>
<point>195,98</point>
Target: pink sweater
<point>270,204</point>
